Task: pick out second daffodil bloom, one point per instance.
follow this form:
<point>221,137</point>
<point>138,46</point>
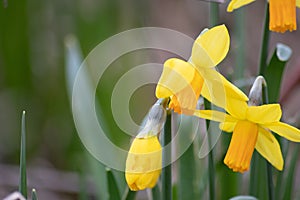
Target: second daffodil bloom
<point>184,81</point>
<point>144,160</point>
<point>282,13</point>
<point>251,127</point>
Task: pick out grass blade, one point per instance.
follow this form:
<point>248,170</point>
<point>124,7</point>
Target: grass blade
<point>34,195</point>
<point>128,194</point>
<point>275,70</point>
<point>156,194</point>
<point>113,190</point>
<point>291,175</point>
<point>23,175</point>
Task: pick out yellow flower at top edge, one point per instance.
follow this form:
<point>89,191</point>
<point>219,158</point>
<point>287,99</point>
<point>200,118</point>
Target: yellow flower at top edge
<point>282,13</point>
<point>251,127</point>
<point>184,81</point>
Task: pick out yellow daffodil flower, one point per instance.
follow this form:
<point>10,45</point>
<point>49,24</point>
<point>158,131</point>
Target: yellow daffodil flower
<point>251,127</point>
<point>184,81</point>
<point>144,160</point>
<point>144,163</point>
<point>282,13</point>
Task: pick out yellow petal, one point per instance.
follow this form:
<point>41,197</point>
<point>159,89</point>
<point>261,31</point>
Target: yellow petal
<point>224,94</point>
<point>269,148</point>
<point>211,47</point>
<point>176,75</point>
<point>214,115</point>
<point>235,4</point>
<point>227,126</point>
<point>298,3</point>
<point>264,114</point>
<point>282,15</point>
<point>289,132</point>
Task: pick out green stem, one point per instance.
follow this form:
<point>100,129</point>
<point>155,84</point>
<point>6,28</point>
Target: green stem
<point>211,167</point>
<point>265,43</point>
<point>265,99</point>
<point>213,14</point>
<point>213,21</point>
<point>166,177</point>
<point>240,51</point>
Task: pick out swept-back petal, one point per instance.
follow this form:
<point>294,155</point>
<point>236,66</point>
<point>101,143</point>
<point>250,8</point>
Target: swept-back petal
<point>214,115</point>
<point>269,148</point>
<point>176,75</point>
<point>284,130</point>
<point>224,94</point>
<point>235,4</point>
<point>227,126</point>
<point>264,114</point>
<point>211,47</point>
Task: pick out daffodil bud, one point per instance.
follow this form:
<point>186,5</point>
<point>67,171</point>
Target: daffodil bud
<point>144,160</point>
<point>255,95</point>
<point>155,120</point>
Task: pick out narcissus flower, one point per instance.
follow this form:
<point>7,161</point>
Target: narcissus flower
<point>144,160</point>
<point>282,13</point>
<point>184,81</point>
<point>251,127</point>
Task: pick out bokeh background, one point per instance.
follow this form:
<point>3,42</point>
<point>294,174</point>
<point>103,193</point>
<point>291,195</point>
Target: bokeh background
<point>33,78</point>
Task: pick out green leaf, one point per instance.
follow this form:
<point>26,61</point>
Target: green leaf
<point>187,166</point>
<point>128,194</point>
<point>291,174</point>
<point>34,195</point>
<point>112,186</point>
<point>275,70</point>
<point>258,177</point>
<point>156,194</point>
<point>23,176</point>
<point>243,198</point>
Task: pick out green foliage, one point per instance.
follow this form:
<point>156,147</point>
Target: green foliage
<point>113,190</point>
<point>273,76</point>
<point>23,174</point>
<point>34,195</point>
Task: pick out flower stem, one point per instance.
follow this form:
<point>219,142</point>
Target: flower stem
<point>213,21</point>
<point>265,99</point>
<point>213,14</point>
<point>265,43</point>
<point>166,177</point>
<point>211,168</point>
<point>239,17</point>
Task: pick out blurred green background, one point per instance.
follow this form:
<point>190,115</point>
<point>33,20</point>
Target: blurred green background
<point>32,72</point>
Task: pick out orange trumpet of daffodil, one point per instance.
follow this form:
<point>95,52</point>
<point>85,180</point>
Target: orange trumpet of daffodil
<point>251,126</point>
<point>184,81</point>
<point>282,13</point>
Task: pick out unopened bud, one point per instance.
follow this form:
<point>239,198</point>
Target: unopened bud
<point>155,120</point>
<point>255,95</point>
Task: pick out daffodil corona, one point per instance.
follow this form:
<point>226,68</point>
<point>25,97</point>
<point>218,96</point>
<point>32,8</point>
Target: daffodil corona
<point>184,81</point>
<point>282,13</point>
<point>251,127</point>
